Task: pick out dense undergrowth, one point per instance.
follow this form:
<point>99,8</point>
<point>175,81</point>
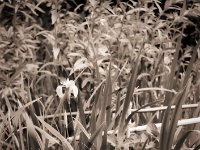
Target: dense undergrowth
<point>86,78</point>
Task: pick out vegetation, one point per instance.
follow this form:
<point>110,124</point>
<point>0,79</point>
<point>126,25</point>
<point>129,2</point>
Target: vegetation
<point>122,75</point>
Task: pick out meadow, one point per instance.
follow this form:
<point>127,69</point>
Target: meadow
<point>100,76</point>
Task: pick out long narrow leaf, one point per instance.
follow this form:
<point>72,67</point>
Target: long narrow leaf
<point>105,101</point>
<point>64,141</point>
<point>169,122</point>
<point>189,68</point>
<point>177,114</point>
<point>180,142</point>
<point>130,90</point>
<point>108,99</point>
<point>170,81</point>
<point>83,137</point>
<point>95,134</point>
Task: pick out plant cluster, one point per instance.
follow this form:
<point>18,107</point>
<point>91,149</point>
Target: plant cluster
<point>88,78</point>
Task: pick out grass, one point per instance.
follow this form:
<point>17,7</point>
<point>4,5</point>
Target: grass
<point>125,62</point>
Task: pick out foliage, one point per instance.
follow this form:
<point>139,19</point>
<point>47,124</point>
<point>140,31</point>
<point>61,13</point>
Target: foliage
<point>103,58</point>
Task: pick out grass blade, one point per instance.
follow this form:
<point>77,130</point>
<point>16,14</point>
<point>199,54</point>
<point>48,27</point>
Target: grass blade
<point>64,141</point>
<point>95,134</point>
<point>130,90</point>
<point>105,102</point>
<point>136,111</point>
<point>183,138</point>
<point>108,99</point>
<point>35,139</point>
<point>169,122</point>
<point>83,138</point>
<point>192,60</point>
<point>170,82</point>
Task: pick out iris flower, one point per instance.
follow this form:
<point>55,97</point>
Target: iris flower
<point>68,84</point>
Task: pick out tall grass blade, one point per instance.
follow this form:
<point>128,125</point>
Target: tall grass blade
<point>17,73</point>
<point>108,99</point>
<point>83,138</point>
<point>96,106</point>
<point>170,82</point>
<point>130,90</point>
<point>166,124</point>
<point>95,134</point>
<point>35,138</point>
<point>46,144</point>
<point>22,146</point>
<point>51,140</point>
<point>65,143</point>
<point>180,142</point>
<point>192,60</point>
<point>177,113</point>
<point>136,111</point>
<point>169,122</point>
<point>105,103</point>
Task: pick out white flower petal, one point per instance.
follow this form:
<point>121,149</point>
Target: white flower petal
<point>66,83</point>
<point>75,91</point>
<point>59,91</point>
<point>56,51</point>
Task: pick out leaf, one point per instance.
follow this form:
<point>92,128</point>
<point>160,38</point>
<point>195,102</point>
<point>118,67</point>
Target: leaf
<point>80,64</point>
<point>33,7</point>
<point>169,122</point>
<point>152,130</point>
<point>134,112</point>
<point>93,2</point>
<point>130,90</point>
<point>189,68</point>
<point>103,50</point>
<point>95,134</point>
<point>31,130</point>
<point>54,16</point>
<point>56,51</point>
<point>45,135</point>
<point>32,68</point>
<point>82,128</point>
<point>17,73</point>
<point>86,81</point>
<point>83,137</point>
<point>183,138</point>
<point>64,141</point>
<point>49,36</point>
